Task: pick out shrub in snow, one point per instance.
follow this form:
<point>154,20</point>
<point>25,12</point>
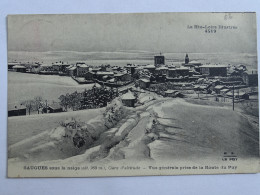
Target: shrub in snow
<point>80,133</point>
<point>83,134</point>
<point>113,113</point>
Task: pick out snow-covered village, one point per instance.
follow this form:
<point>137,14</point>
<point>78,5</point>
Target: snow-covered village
<point>81,108</point>
<point>145,104</point>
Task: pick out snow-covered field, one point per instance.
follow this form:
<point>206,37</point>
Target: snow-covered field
<point>190,130</point>
<point>22,127</point>
<point>165,129</point>
<point>22,86</point>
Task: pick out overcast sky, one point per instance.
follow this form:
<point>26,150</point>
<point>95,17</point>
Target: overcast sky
<point>148,32</point>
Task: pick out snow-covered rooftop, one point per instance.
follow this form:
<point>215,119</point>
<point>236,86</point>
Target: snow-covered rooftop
<point>162,68</point>
<point>213,66</point>
<point>194,62</point>
<point>54,106</point>
<point>13,63</point>
<point>15,107</point>
<point>130,65</point>
<point>145,80</point>
<point>149,66</point>
<point>225,90</point>
<point>72,68</point>
<point>19,66</point>
<point>128,96</point>
<point>83,65</point>
<point>219,87</point>
<point>46,65</point>
<point>119,75</point>
<point>182,68</point>
<point>170,91</point>
<point>104,73</point>
<point>112,80</point>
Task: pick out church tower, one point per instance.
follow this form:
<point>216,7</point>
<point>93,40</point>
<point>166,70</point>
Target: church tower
<point>187,59</point>
<point>159,60</point>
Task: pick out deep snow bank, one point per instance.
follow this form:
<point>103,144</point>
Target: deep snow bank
<point>70,138</point>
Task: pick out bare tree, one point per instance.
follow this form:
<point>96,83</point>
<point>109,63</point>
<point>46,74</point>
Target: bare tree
<point>38,103</point>
<point>29,105</point>
<point>65,101</point>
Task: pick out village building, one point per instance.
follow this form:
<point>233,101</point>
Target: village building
<point>250,78</point>
<point>56,66</point>
<point>63,67</point>
<point>113,80</point>
<point>14,110</point>
<point>123,77</point>
<point>67,69</point>
<point>144,74</point>
<point>103,67</point>
<point>138,69</point>
<point>172,65</point>
<point>128,99</point>
<point>72,70</point>
<point>103,76</point>
<point>172,72</point>
<point>82,69</point>
<point>200,87</point>
<point>163,70</point>
<point>46,68</point>
<point>96,69</point>
<point>190,64</point>
<point>218,88</point>
<point>150,68</point>
<point>144,83</point>
<point>116,68</point>
<point>130,68</point>
<point>213,70</point>
<point>159,78</point>
<point>224,91</point>
<point>54,108</point>
<point>60,66</point>
<point>193,63</point>
<point>32,67</point>
<point>12,64</point>
<point>238,95</point>
<point>183,71</point>
<point>89,75</point>
<point>173,93</point>
<point>169,93</point>
<point>159,60</point>
<point>19,68</point>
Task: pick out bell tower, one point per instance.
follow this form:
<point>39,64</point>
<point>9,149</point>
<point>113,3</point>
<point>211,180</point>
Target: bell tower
<point>159,60</point>
<point>187,59</point>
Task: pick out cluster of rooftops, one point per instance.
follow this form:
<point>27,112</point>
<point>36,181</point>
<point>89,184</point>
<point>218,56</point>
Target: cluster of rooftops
<point>204,75</point>
<point>159,69</point>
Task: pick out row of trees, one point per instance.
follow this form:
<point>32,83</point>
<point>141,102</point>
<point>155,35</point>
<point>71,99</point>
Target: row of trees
<point>36,104</point>
<point>93,98</point>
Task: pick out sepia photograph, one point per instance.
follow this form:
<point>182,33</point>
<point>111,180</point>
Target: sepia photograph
<point>132,94</point>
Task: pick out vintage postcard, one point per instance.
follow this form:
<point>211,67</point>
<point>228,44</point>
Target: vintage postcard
<point>133,94</point>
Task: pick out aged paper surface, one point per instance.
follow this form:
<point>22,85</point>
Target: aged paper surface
<point>132,94</point>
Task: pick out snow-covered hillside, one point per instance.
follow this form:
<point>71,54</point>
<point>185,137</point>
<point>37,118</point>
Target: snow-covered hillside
<point>163,129</point>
